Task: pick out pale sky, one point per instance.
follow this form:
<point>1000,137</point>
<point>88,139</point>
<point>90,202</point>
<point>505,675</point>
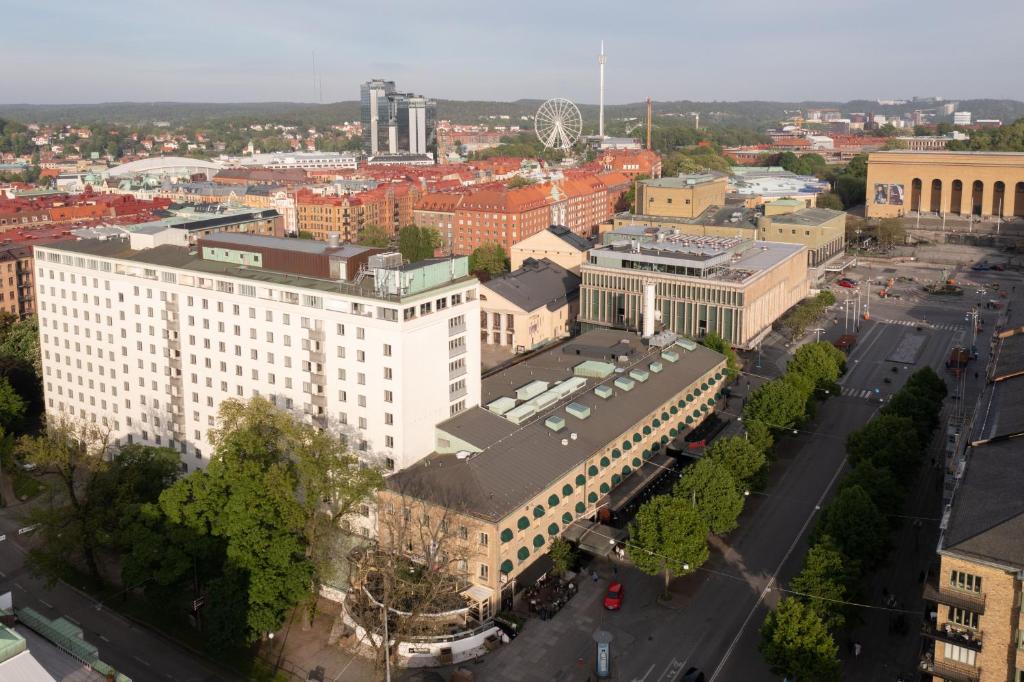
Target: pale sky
<point>255,50</point>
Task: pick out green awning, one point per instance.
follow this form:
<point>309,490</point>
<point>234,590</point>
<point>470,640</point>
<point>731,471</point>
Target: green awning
<point>656,423</point>
<point>553,529</point>
<point>711,401</point>
<point>566,517</point>
<point>647,457</point>
<point>580,507</point>
<point>697,391</point>
<point>616,479</point>
<point>616,453</point>
<point>672,432</point>
<point>637,438</point>
<point>704,408</point>
<point>506,566</point>
<point>566,490</point>
<point>689,398</point>
<point>581,480</point>
<point>673,409</point>
<point>626,471</point>
<point>538,541</point>
<point>592,497</point>
<point>689,420</point>
<point>553,500</point>
<point>507,535</point>
<point>718,375</point>
<point>704,386</point>
<point>523,553</point>
<point>538,511</point>
<point>664,416</point>
<point>664,440</point>
<point>637,462</point>
<point>592,471</point>
<point>605,462</point>
<point>646,454</point>
<point>523,523</point>
<point>696,414</point>
<point>657,446</point>
<point>680,403</point>
<point>604,488</point>
<point>681,425</point>
<point>627,446</point>
<point>647,430</point>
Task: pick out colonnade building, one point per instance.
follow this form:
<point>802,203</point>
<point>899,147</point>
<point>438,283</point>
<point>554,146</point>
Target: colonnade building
<point>983,184</point>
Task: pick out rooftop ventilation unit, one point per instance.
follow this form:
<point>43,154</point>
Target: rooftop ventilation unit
<point>603,391</point>
<point>532,389</point>
<point>501,405</point>
<point>655,367</point>
<point>577,410</point>
<point>520,414</point>
<point>686,344</point>
<point>555,422</point>
<point>624,384</point>
<point>670,356</point>
<point>593,369</point>
<point>639,374</point>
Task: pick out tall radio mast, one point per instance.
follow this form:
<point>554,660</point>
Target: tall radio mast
<point>601,59</point>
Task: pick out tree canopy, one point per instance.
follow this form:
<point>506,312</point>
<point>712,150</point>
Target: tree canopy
<point>713,492</point>
<point>821,362</point>
<point>373,235</point>
<point>740,457</point>
<point>796,643</point>
<point>856,525</point>
<point>489,258</point>
<point>668,536</point>
<point>418,243</point>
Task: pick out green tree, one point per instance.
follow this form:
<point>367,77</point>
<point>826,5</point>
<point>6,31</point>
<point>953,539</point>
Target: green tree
<point>12,407</point>
<point>489,258</point>
<point>886,492</point>
<point>563,556</point>
<point>373,235</point>
<point>75,453</point>
<point>829,200</point>
<point>668,536</point>
<point>418,243</point>
<point>824,582</point>
<point>821,362</point>
<point>856,525</point>
<point>709,487</point>
<point>889,441</point>
<point>741,458</point>
<point>19,339</point>
<point>891,231</point>
<point>796,643</point>
<point>777,404</point>
<point>520,181</point>
<point>715,342</point>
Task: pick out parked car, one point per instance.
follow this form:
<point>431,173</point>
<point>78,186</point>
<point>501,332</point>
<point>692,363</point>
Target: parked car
<point>847,283</point>
<point>692,675</point>
<point>613,600</point>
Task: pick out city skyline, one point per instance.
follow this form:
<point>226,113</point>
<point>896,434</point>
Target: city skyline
<point>236,53</point>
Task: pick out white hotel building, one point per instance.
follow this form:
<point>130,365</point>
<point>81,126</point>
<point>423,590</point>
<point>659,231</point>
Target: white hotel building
<point>149,336</point>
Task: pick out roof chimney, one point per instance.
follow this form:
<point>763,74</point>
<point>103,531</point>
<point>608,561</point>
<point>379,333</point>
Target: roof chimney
<point>334,240</point>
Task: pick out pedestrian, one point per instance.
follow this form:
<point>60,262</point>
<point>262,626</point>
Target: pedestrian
<point>615,569</point>
<point>856,649</point>
<point>593,575</point>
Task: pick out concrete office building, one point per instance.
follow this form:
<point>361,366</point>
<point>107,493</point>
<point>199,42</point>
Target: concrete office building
<point>395,122</point>
<point>149,337</point>
<point>693,285</point>
<point>565,438</point>
<point>960,183</point>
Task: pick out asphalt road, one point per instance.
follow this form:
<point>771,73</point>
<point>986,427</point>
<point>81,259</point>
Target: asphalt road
<point>134,651</point>
<point>713,618</point>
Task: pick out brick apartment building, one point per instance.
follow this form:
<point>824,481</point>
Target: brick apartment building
<point>631,162</point>
<point>388,206</point>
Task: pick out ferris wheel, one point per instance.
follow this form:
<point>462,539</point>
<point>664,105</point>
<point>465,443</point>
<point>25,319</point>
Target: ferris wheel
<point>558,124</point>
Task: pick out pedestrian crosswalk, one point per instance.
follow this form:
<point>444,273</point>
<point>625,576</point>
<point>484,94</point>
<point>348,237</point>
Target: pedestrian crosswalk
<point>945,326</point>
<point>858,393</point>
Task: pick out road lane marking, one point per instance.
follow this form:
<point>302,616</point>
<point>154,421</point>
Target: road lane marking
<point>782,562</point>
<point>2,574</point>
<point>46,603</point>
<point>644,678</point>
<point>18,585</point>
<point>104,638</point>
<point>142,661</point>
<point>71,620</point>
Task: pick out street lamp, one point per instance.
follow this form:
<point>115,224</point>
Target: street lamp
<point>817,334</point>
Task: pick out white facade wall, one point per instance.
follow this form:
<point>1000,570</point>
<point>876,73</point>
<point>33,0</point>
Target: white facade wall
<point>154,350</point>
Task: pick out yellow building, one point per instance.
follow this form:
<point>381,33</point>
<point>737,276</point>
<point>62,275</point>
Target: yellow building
<point>684,196</point>
<point>821,230</point>
<point>530,306</point>
<point>558,244</point>
<point>562,440</point>
<point>960,183</point>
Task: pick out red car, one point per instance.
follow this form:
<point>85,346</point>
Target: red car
<point>613,600</point>
<point>847,283</point>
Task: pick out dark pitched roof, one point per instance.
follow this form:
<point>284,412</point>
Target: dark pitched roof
<point>537,283</point>
<point>987,517</point>
<point>518,462</point>
<point>569,237</point>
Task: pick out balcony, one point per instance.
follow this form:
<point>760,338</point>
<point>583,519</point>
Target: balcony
<point>456,351</point>
<point>457,372</point>
<point>457,393</point>
<point>951,672</point>
<point>972,601</point>
<point>457,329</point>
<point>318,378</point>
<point>953,634</point>
<point>319,399</point>
<point>316,335</point>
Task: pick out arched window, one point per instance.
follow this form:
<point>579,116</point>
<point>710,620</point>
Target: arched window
<point>935,205</point>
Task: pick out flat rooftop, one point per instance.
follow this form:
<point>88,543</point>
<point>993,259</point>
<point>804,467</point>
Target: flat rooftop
<point>205,219</point>
<point>808,217</point>
<point>183,258</point>
<point>308,246</point>
<point>517,462</point>
<point>683,181</point>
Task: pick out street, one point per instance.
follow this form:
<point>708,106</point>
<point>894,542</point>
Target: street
<point>132,650</point>
<point>713,618</point>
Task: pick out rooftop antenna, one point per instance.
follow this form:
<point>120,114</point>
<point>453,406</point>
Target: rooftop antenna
<point>650,111</point>
<point>601,59</point>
